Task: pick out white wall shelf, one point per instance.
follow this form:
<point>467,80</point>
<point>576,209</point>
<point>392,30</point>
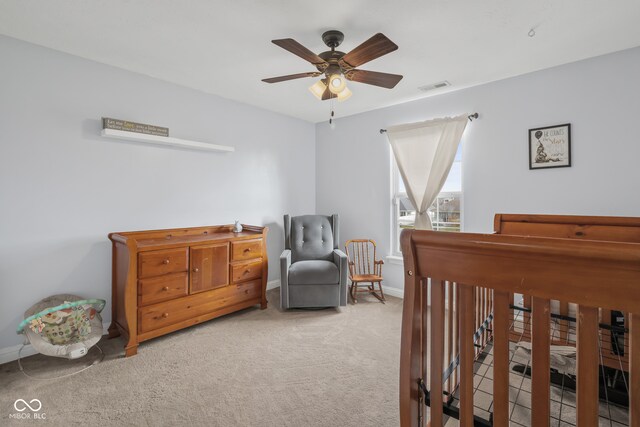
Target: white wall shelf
<point>164,140</point>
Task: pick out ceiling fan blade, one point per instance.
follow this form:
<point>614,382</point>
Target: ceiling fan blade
<point>291,77</point>
<point>371,49</point>
<point>297,49</point>
<point>374,78</point>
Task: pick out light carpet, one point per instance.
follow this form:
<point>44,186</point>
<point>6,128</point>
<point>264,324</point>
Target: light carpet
<point>333,367</point>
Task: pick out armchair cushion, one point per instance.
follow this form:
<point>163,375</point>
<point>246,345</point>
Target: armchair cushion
<point>314,272</point>
<point>311,238</point>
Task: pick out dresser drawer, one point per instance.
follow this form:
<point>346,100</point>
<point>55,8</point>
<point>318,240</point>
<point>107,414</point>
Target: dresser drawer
<point>246,271</point>
<point>162,288</point>
<point>167,313</point>
<point>247,249</point>
<point>249,290</point>
<point>157,263</point>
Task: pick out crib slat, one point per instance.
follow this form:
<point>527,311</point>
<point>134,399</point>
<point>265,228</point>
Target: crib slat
<point>540,369</point>
<point>587,361</point>
<point>456,330</point>
<point>426,336</point>
<point>481,317</point>
<point>485,315</point>
<point>605,335</point>
<point>491,304</point>
<point>477,310</point>
<point>634,370</point>
<point>437,350</point>
<point>467,352</point>
<point>450,314</point>
<point>500,359</point>
<point>564,325</point>
<point>526,301</point>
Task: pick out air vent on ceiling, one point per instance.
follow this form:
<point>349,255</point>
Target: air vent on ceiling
<point>427,88</point>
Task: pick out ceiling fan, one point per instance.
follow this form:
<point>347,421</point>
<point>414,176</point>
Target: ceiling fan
<point>339,66</point>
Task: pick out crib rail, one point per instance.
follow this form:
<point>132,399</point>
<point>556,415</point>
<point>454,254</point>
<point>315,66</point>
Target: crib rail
<point>474,275</point>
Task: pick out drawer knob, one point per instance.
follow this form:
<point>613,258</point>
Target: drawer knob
<point>166,261</point>
<point>166,288</point>
<point>165,315</point>
<point>247,271</point>
<point>195,269</point>
<point>247,250</point>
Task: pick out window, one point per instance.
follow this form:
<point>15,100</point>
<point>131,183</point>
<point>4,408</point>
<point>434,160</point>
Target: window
<point>445,212</point>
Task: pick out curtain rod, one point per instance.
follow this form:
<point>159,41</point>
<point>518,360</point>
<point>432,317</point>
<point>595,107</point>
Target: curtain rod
<point>470,117</point>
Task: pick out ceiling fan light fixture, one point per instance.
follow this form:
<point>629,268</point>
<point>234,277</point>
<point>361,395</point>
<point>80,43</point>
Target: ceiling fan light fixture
<point>338,67</point>
<point>345,94</point>
<point>318,89</point>
<point>337,83</point>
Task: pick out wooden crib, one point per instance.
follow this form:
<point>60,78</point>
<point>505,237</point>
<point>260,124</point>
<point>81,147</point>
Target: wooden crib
<point>590,261</point>
<point>611,229</point>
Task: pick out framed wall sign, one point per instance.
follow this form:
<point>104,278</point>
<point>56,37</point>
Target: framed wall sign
<point>550,147</point>
<point>124,125</point>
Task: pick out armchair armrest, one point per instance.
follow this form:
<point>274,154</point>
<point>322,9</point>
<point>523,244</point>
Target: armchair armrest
<point>341,260</point>
<point>285,263</point>
<point>285,258</point>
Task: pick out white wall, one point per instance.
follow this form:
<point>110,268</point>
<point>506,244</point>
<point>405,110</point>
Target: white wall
<point>63,188</point>
<point>600,97</point>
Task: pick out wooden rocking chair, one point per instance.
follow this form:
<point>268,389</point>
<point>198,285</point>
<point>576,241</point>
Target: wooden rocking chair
<point>364,268</point>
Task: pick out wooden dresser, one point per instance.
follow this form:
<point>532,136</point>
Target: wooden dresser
<point>165,280</point>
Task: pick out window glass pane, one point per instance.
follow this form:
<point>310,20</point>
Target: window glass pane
<point>407,217</point>
<point>454,180</point>
<point>444,212</point>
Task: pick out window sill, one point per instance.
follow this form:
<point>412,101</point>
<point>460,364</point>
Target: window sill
<point>392,259</point>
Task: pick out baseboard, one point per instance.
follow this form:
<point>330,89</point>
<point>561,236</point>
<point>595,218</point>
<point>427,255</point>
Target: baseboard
<point>9,354</point>
<point>394,292</point>
<point>273,284</point>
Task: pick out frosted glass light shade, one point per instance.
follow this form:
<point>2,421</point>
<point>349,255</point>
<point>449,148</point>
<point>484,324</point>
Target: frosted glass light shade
<point>337,83</point>
<point>318,89</point>
<point>345,94</point>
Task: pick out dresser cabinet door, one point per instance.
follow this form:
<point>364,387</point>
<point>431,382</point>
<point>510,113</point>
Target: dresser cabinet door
<point>209,267</point>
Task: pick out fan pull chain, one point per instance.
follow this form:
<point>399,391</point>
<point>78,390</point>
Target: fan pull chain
<point>331,121</point>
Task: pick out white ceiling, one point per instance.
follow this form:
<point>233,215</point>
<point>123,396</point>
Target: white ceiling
<point>224,48</point>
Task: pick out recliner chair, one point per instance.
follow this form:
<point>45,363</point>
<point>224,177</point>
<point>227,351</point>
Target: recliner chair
<point>313,271</point>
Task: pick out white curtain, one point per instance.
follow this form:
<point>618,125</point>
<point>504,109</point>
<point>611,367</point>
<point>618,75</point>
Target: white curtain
<point>424,153</point>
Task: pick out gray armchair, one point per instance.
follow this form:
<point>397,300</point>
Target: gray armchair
<point>313,271</point>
